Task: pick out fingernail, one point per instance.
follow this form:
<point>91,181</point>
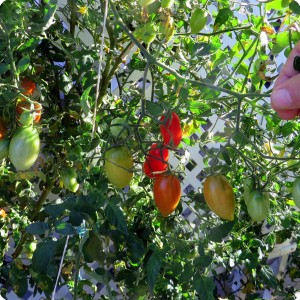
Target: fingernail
<point>282,99</point>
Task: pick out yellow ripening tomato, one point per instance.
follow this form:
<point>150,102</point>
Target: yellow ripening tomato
<point>219,196</point>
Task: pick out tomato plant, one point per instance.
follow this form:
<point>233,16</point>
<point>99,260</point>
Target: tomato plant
<point>296,192</point>
<point>26,112</point>
<point>24,147</point>
<point>167,193</point>
<point>69,179</point>
<point>170,129</point>
<point>258,205</point>
<point>156,161</point>
<point>219,196</point>
<point>3,128</point>
<point>118,166</point>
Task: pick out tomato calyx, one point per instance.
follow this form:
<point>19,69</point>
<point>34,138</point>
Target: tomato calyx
<point>28,112</point>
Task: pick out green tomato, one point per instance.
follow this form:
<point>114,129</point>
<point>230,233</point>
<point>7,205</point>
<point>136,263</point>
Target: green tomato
<point>4,145</point>
<point>258,205</point>
<point>69,179</point>
<point>119,128</point>
<point>118,166</point>
<point>24,147</point>
<point>167,3</point>
<point>198,20</point>
<point>296,192</point>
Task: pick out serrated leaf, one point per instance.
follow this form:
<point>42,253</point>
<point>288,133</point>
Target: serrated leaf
<point>44,253</point>
<point>37,228</point>
<point>116,217</point>
<point>64,228</point>
<point>153,268</point>
<point>267,275</point>
<point>204,286</point>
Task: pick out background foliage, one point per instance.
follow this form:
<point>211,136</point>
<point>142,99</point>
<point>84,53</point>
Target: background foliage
<point>119,235</point>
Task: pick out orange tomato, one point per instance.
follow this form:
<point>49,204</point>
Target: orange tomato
<point>28,85</point>
<point>35,108</point>
<point>219,196</point>
<point>167,193</point>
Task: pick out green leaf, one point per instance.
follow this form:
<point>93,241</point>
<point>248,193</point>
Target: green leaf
<point>4,68</point>
<point>223,16</point>
<point>64,228</point>
<point>201,49</point>
<point>18,280</point>
<point>153,109</point>
<point>43,255</point>
<point>92,248</point>
<point>277,4</point>
<point>295,7</point>
<point>85,63</point>
<point>84,100</point>
<point>282,41</point>
<point>153,268</point>
<point>204,286</point>
<point>218,233</point>
<point>23,64</point>
<point>55,210</point>
<point>135,248</point>
<point>267,275</point>
<point>37,228</point>
<point>29,45</point>
<point>75,218</point>
<point>65,83</point>
<point>116,217</point>
<point>202,261</point>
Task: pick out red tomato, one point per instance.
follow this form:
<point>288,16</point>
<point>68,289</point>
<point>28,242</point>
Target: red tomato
<point>171,129</point>
<point>25,106</point>
<point>156,161</point>
<point>167,193</point>
<point>28,85</point>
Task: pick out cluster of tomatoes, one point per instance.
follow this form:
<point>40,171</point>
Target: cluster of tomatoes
<point>23,146</point>
<point>119,162</point>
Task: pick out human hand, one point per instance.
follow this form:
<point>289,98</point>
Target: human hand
<point>285,97</point>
